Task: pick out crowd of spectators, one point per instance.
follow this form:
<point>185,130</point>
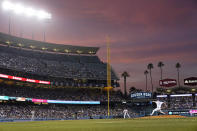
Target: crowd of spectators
<point>57,81</point>
<point>181,103</point>
<point>67,70</point>
<point>178,103</point>
<point>78,94</point>
<point>51,64</point>
<point>15,111</point>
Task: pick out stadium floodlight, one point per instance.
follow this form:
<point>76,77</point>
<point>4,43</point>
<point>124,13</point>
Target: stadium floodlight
<point>30,12</point>
<point>27,11</point>
<point>6,5</point>
<point>43,15</point>
<point>19,9</point>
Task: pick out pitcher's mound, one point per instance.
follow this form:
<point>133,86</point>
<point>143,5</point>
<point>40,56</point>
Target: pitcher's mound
<point>163,116</point>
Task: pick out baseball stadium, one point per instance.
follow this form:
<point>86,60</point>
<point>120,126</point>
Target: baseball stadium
<point>48,86</point>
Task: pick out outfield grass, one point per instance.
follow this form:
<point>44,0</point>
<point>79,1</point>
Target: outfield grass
<point>181,124</point>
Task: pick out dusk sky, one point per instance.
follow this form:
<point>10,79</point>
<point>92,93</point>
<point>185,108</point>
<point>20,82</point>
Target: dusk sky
<point>141,32</point>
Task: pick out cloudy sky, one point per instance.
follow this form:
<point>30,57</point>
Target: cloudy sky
<point>141,32</point>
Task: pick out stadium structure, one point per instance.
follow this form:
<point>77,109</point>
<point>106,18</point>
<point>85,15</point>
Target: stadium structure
<point>62,65</point>
<point>41,81</point>
<point>47,81</point>
<point>51,75</point>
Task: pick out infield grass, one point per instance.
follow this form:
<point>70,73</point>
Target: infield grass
<point>172,124</point>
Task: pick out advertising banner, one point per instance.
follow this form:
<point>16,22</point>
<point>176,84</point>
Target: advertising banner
<point>178,112</point>
<point>12,98</point>
<point>24,79</point>
<point>48,101</point>
<point>180,95</point>
<point>20,99</point>
<point>140,95</point>
<point>191,81</point>
<point>162,96</point>
<point>39,100</point>
<point>72,102</point>
<point>193,111</point>
<point>4,98</point>
<point>168,82</point>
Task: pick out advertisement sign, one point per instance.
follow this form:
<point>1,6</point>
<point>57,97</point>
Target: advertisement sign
<point>180,95</point>
<point>28,99</point>
<point>20,99</point>
<point>24,79</point>
<point>176,95</point>
<point>39,100</point>
<point>162,96</point>
<point>140,95</point>
<point>48,101</point>
<point>178,112</point>
<point>12,98</point>
<point>4,98</point>
<point>193,111</point>
<point>168,82</point>
<point>72,102</point>
<point>191,81</point>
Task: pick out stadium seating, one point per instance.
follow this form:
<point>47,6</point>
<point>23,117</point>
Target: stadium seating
<point>77,94</point>
<point>24,111</point>
<point>62,68</point>
<point>79,72</point>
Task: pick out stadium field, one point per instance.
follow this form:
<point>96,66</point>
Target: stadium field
<point>172,124</point>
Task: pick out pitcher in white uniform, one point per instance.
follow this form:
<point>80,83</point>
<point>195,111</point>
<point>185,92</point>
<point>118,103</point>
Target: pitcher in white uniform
<point>158,108</point>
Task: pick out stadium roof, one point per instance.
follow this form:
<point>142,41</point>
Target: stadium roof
<point>39,45</point>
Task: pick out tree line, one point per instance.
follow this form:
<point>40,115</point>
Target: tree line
<point>150,66</point>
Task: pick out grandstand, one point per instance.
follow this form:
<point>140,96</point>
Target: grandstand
<point>63,65</point>
<point>54,81</point>
<point>46,81</point>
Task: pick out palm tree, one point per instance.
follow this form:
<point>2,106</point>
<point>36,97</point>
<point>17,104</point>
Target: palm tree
<point>125,75</point>
<point>178,65</point>
<point>145,73</point>
<point>150,67</point>
<point>160,65</point>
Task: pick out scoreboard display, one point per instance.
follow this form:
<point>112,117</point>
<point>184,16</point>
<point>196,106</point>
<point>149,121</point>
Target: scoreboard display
<point>141,95</point>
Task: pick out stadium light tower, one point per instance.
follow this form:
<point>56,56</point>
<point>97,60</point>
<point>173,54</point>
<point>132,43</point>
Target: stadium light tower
<point>20,9</point>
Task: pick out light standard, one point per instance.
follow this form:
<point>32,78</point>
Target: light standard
<point>7,6</point>
<point>20,9</point>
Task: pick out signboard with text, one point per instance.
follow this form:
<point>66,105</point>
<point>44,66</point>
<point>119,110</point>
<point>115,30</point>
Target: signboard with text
<point>139,95</point>
<point>178,112</point>
<point>191,81</point>
<point>168,82</point>
<point>193,111</point>
<point>24,79</point>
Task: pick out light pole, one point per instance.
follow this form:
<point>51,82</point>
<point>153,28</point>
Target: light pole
<point>45,22</point>
<point>9,32</point>
<point>20,9</point>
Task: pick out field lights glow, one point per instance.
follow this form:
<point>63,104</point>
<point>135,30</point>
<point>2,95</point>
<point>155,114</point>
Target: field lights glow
<point>28,11</point>
<point>19,9</point>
